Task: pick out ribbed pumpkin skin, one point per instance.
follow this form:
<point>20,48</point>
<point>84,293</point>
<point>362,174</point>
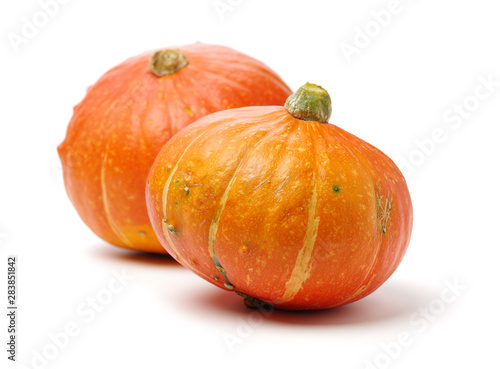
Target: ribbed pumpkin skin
<point>126,117</point>
<point>299,214</point>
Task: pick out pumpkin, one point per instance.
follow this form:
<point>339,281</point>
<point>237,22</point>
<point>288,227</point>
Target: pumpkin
<point>279,206</point>
<point>126,117</point>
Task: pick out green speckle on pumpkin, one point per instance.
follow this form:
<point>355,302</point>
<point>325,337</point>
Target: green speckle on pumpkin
<point>182,184</point>
<point>336,188</point>
<point>172,229</point>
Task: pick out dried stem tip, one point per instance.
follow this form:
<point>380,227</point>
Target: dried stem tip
<point>167,61</point>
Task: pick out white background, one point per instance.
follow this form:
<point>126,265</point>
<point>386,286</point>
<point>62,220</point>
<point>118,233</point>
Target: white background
<point>400,88</point>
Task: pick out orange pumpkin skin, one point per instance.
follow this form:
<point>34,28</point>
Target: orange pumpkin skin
<point>126,117</point>
<point>298,214</point>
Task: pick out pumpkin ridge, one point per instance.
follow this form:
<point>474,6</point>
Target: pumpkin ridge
<point>302,268</point>
<point>111,114</point>
<point>376,254</point>
<point>165,226</point>
<point>214,225</point>
<point>212,234</point>
<point>142,129</point>
<point>105,202</point>
<point>168,110</point>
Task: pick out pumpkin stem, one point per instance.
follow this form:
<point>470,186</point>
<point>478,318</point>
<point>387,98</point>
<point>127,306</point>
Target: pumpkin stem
<point>168,61</point>
<point>311,103</point>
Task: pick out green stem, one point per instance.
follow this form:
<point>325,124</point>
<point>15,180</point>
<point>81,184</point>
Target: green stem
<point>168,61</point>
<point>311,103</point>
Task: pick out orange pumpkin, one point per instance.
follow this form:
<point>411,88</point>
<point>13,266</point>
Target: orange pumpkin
<point>126,117</point>
<point>279,206</point>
